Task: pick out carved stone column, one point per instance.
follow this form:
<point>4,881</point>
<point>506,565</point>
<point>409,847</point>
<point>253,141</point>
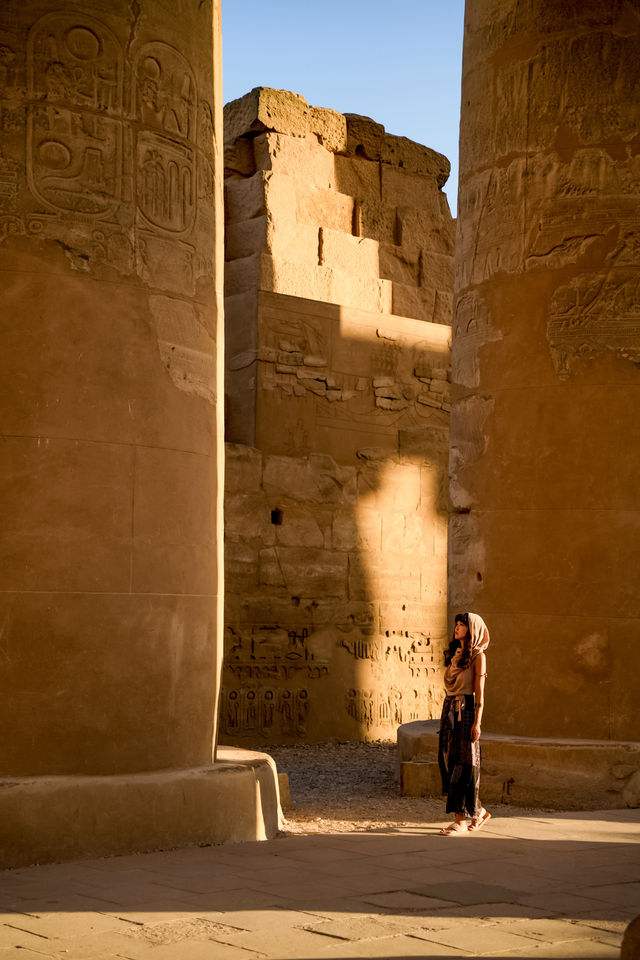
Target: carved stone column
<point>545,530</point>
<point>110,229</point>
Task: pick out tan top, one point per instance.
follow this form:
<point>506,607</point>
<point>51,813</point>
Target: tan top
<point>457,681</point>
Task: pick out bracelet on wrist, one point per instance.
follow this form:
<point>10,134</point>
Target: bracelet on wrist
<point>478,705</point>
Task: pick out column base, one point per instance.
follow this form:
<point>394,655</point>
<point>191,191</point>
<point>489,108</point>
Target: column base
<point>53,819</point>
<point>545,772</point>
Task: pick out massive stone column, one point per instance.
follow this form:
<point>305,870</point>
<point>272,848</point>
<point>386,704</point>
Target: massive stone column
<point>545,531</point>
<point>110,191</point>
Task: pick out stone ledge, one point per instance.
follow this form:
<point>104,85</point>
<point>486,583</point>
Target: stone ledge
<point>53,819</point>
<point>283,111</point>
<point>560,774</point>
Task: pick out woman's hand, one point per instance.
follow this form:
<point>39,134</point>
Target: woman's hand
<point>475,731</point>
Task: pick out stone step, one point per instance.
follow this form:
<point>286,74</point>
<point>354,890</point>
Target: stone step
<point>559,774</point>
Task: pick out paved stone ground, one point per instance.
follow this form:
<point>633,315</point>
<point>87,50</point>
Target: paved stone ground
<point>545,886</point>
<point>359,872</point>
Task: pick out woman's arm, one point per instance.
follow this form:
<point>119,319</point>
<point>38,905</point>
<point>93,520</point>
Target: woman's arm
<point>479,674</point>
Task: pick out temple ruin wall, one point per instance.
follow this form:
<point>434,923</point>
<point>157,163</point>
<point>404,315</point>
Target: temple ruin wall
<point>338,303</point>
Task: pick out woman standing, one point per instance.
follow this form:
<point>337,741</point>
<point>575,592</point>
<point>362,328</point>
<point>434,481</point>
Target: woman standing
<point>460,725</point>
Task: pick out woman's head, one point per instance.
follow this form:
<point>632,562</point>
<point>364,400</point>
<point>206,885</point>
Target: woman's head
<point>461,638</point>
<point>469,633</point>
<point>461,626</point>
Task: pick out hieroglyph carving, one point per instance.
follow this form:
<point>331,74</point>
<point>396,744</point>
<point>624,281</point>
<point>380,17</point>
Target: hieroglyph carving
<point>75,77</point>
<point>272,653</point>
<point>372,708</point>
<point>251,710</point>
<point>165,104</point>
<point>123,141</point>
<point>471,331</point>
<point>595,314</point>
<point>401,647</point>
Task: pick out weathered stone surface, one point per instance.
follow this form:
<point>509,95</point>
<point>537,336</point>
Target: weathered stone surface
<point>285,112</point>
<point>49,819</point>
<point>420,778</point>
<point>394,198</point>
<point>245,238</point>
<point>545,339</point>
<point>357,177</point>
<point>300,614</point>
<point>325,208</point>
<point>245,198</point>
<point>366,138</point>
<point>338,525</point>
<point>631,790</point>
<point>243,468</point>
<point>285,791</point>
<point>304,159</point>
<point>555,773</point>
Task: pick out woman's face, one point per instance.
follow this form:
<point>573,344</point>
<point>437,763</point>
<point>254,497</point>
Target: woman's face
<point>460,631</point>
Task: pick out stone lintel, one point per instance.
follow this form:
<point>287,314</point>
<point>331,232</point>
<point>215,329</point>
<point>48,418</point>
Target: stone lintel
<point>556,773</point>
<point>54,819</point>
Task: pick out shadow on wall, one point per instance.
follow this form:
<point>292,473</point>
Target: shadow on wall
<point>336,526</point>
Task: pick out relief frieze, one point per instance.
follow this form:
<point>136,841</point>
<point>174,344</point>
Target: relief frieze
<point>265,711</point>
<point>272,653</point>
<point>595,314</point>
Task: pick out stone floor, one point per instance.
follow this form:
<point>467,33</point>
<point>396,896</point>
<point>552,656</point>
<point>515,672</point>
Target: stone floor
<point>550,886</point>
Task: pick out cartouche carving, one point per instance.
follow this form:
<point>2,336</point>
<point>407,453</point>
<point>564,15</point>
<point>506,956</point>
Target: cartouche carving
<point>74,124</point>
<point>165,105</point>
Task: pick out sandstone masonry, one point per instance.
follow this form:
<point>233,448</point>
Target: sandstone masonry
<point>338,301</point>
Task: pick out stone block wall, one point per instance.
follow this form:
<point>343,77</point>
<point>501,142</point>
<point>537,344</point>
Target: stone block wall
<point>338,303</point>
<point>332,209</point>
<point>335,607</point>
<point>335,531</point>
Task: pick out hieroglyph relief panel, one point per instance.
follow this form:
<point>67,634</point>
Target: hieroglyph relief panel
<point>166,105</point>
<point>116,151</point>
<point>562,191</point>
<point>265,666</point>
<point>75,80</point>
<point>265,711</point>
<point>595,313</point>
<point>272,653</point>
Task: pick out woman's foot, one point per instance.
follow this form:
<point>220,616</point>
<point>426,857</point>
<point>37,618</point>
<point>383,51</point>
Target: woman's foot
<point>479,821</point>
<point>458,826</point>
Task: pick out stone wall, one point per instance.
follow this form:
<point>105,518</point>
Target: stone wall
<point>335,607</point>
<point>330,209</point>
<point>336,506</point>
<point>545,535</point>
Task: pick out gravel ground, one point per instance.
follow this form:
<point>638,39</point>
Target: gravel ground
<point>337,787</point>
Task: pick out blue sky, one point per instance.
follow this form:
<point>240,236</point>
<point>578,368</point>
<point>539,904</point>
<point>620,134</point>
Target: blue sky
<point>399,63</point>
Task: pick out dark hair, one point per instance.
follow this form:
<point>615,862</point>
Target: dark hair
<point>455,643</point>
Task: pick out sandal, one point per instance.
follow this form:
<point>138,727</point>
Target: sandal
<point>478,822</point>
<point>454,828</point>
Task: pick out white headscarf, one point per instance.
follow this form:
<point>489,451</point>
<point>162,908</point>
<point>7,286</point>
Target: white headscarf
<point>456,678</point>
<point>479,634</point>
